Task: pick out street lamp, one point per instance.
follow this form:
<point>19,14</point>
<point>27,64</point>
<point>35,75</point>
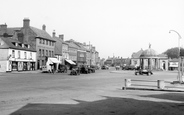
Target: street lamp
<point>179,37</point>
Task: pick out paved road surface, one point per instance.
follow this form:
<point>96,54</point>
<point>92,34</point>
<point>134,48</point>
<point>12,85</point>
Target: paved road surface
<point>20,93</point>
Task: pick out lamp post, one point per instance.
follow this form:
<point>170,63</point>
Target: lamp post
<point>179,61</point>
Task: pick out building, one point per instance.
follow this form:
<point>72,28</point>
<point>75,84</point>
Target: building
<point>72,51</point>
<point>149,59</point>
<point>58,47</point>
<point>16,55</point>
<point>40,40</point>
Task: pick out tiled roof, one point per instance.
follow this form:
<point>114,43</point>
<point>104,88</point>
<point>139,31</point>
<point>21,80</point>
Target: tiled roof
<point>42,34</point>
<point>9,31</point>
<point>72,45</point>
<point>58,47</point>
<point>9,44</point>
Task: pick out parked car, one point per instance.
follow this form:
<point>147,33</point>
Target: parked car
<point>84,69</point>
<point>117,67</point>
<point>92,69</point>
<point>129,67</point>
<point>105,67</point>
<point>75,71</point>
<point>143,71</point>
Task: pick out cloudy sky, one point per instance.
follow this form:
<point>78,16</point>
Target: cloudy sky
<point>114,27</point>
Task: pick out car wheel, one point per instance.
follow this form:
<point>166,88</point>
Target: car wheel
<point>148,73</point>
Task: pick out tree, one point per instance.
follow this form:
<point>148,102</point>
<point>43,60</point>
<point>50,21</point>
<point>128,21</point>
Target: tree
<point>173,52</point>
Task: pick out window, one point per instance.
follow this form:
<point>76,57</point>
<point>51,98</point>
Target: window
<point>25,55</point>
<point>46,52</point>
<point>40,52</point>
<point>43,52</point>
<point>46,42</point>
<point>30,55</point>
<point>18,54</point>
<point>43,41</point>
<point>49,43</point>
<point>40,41</point>
<point>13,53</point>
<point>50,53</point>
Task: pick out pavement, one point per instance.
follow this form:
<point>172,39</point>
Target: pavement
<point>167,84</point>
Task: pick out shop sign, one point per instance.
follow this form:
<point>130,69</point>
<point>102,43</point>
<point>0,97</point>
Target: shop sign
<point>173,64</point>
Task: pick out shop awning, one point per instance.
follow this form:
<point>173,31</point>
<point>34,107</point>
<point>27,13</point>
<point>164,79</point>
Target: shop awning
<point>70,61</point>
<point>54,60</point>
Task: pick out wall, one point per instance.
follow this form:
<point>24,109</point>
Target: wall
<point>3,60</point>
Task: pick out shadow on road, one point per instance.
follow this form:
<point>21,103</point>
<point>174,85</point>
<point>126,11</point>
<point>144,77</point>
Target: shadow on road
<point>108,106</point>
<point>168,96</point>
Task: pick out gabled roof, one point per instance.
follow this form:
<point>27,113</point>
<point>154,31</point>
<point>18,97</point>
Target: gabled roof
<point>58,47</point>
<point>42,34</point>
<point>9,44</point>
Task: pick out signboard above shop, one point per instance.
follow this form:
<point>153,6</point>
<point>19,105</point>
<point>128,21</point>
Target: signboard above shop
<point>173,64</point>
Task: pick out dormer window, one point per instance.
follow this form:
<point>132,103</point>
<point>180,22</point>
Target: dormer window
<point>28,46</point>
<point>16,44</point>
<point>22,45</point>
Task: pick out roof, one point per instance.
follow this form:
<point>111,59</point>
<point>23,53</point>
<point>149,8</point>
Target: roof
<point>137,54</point>
<point>42,33</point>
<point>9,31</point>
<point>9,44</point>
<point>149,53</point>
<point>58,47</point>
<point>72,45</point>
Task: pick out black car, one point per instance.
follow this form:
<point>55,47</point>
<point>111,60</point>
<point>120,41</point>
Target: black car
<point>84,69</point>
<point>104,67</point>
<point>92,69</point>
<point>143,71</point>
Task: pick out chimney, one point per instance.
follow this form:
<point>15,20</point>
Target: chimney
<point>3,27</point>
<point>61,37</point>
<point>44,27</point>
<point>26,22</point>
<point>53,34</point>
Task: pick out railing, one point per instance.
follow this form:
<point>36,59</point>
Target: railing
<point>151,84</point>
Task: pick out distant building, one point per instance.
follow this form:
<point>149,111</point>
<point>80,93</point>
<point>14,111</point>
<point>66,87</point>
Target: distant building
<point>149,59</point>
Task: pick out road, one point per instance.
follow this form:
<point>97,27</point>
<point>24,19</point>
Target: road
<point>20,92</point>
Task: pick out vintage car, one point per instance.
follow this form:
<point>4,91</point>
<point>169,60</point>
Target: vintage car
<point>75,71</point>
<point>84,69</point>
<point>92,69</point>
<point>105,67</point>
<point>143,71</point>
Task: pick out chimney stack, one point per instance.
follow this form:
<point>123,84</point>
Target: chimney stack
<point>61,37</point>
<point>44,27</point>
<point>53,34</point>
<point>26,22</point>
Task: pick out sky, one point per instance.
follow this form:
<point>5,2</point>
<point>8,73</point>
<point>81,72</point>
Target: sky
<point>114,27</point>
